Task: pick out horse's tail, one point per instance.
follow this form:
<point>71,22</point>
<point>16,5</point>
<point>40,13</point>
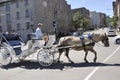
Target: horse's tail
<point>61,42</point>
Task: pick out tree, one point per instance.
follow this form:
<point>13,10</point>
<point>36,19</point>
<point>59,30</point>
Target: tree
<point>77,19</point>
<point>114,21</point>
<point>80,21</point>
<point>84,23</point>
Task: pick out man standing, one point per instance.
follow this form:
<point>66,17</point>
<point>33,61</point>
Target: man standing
<point>38,33</point>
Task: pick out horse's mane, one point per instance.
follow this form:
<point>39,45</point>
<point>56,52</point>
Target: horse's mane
<point>96,34</point>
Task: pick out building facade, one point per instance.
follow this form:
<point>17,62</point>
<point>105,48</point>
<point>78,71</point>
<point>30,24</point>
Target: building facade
<point>22,16</point>
<point>94,19</point>
<point>98,19</point>
<point>48,11</point>
<point>84,12</point>
<point>16,16</point>
<point>103,20</point>
<point>116,10</point>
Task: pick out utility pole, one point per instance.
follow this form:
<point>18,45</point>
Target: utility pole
<point>55,22</point>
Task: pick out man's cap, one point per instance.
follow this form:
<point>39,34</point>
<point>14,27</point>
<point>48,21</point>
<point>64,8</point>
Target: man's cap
<point>40,24</point>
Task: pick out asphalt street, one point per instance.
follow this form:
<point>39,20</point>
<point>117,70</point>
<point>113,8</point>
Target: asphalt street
<point>107,66</point>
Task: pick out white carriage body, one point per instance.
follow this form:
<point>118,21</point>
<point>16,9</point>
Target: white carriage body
<point>13,49</point>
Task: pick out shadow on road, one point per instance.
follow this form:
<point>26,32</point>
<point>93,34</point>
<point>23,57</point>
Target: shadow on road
<point>60,66</point>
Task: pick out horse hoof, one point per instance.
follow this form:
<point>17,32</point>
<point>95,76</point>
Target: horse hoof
<point>86,62</point>
<point>72,62</point>
<point>58,61</point>
<point>94,60</point>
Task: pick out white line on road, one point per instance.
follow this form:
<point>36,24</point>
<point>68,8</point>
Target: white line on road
<point>89,76</point>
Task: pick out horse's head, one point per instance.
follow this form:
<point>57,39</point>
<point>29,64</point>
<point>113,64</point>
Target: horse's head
<point>105,40</point>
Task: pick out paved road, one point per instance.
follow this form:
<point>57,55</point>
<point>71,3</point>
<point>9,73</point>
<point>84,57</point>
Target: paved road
<point>106,68</point>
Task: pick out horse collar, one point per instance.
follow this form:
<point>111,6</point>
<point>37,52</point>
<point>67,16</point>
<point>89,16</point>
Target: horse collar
<point>90,36</point>
<point>82,37</point>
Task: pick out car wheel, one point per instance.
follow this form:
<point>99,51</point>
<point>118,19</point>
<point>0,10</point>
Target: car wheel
<point>118,41</point>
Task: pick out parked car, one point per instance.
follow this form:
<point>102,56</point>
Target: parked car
<point>76,33</point>
<point>111,33</point>
<point>116,39</point>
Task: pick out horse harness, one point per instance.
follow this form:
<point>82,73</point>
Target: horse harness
<point>92,42</point>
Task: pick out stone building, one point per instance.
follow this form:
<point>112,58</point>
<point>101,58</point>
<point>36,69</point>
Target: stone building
<point>103,20</point>
<point>22,16</point>
<point>84,12</point>
<point>94,19</point>
<point>57,10</point>
<point>98,19</point>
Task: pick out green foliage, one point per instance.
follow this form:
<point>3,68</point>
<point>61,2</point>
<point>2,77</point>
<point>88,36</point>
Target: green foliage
<point>79,20</point>
<point>115,21</point>
<point>85,22</point>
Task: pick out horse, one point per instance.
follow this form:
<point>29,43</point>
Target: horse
<point>86,44</point>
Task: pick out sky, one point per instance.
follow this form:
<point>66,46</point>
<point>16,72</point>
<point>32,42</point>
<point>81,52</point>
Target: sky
<point>104,6</point>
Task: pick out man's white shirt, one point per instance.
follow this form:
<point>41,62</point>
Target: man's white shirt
<point>38,33</point>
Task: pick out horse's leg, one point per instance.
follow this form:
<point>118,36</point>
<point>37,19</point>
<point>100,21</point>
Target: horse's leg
<point>67,55</point>
<point>95,53</point>
<point>85,58</point>
<point>60,52</point>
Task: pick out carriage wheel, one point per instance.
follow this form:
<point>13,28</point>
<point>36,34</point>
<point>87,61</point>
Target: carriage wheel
<point>45,57</point>
<point>5,56</point>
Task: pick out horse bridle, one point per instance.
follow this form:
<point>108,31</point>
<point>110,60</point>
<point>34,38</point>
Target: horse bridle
<point>99,43</point>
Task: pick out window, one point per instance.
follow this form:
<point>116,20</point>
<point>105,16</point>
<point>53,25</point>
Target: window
<point>18,15</point>
<point>27,25</point>
<point>9,28</point>
<point>26,2</point>
<point>7,7</point>
<point>0,29</point>
<point>8,18</point>
<point>17,4</point>
<point>0,18</point>
<point>27,13</point>
<point>18,26</point>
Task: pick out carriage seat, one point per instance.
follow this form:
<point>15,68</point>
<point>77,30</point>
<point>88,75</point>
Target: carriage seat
<point>33,42</point>
<point>12,39</point>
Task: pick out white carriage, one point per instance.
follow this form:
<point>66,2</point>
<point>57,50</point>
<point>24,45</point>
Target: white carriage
<point>13,50</point>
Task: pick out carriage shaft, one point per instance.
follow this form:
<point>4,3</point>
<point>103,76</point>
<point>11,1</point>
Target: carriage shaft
<point>75,45</point>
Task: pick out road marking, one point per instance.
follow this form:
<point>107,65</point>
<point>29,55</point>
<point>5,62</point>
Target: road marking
<point>89,76</point>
